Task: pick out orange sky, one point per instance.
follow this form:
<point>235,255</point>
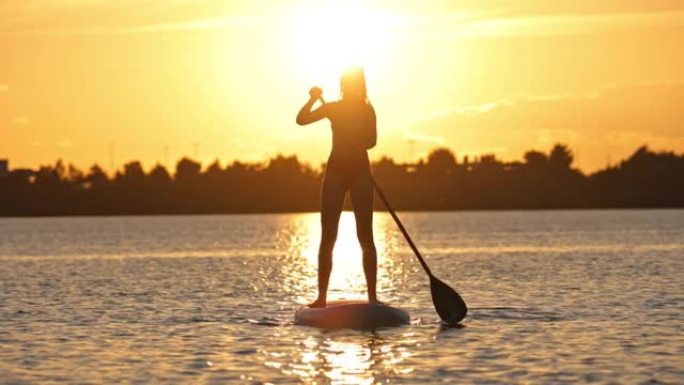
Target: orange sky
<point>110,81</point>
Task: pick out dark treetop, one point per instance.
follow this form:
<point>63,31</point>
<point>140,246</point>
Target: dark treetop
<point>283,184</point>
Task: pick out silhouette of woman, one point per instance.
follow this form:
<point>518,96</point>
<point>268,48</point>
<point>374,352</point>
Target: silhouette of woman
<point>348,170</point>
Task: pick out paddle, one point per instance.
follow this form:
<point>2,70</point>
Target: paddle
<point>448,304</point>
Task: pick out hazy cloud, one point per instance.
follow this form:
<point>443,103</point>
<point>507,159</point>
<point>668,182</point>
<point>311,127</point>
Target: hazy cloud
<point>21,120</point>
<point>104,17</point>
<point>64,143</point>
<point>416,137</point>
<point>452,27</point>
<point>619,117</point>
<point>466,20</point>
<point>205,24</point>
<point>546,7</point>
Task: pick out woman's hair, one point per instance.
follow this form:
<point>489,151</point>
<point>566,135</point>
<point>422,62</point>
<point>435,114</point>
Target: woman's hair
<point>353,84</point>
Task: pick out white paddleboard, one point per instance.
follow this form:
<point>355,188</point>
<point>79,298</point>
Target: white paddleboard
<point>352,314</point>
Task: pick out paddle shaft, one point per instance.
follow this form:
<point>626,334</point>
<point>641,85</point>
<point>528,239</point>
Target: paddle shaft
<point>403,230</point>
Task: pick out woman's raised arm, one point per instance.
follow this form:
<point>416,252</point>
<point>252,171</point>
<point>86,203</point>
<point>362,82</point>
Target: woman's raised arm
<point>306,115</point>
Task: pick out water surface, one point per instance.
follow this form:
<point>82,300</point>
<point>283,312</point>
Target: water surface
<point>556,297</point>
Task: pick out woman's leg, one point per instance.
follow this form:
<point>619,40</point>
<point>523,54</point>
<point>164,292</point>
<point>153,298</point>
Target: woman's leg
<point>362,200</point>
<point>332,198</point>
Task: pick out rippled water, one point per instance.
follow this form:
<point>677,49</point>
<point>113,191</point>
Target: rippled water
<point>555,297</point>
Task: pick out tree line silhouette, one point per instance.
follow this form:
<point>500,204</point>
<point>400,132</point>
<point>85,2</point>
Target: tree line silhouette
<point>284,184</point>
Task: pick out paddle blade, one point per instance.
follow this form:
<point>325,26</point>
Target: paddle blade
<point>449,305</point>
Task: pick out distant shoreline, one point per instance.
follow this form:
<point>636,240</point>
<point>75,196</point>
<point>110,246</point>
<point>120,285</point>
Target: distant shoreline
<point>349,211</point>
<point>542,181</point>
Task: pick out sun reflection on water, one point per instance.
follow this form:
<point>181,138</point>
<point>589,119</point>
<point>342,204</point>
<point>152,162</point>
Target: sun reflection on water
<point>347,280</point>
<point>353,357</point>
<point>348,359</point>
<point>333,358</point>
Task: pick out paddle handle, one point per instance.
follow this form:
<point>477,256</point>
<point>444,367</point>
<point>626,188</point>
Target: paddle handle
<point>401,227</point>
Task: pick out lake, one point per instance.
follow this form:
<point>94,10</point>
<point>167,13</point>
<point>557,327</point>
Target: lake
<point>557,297</point>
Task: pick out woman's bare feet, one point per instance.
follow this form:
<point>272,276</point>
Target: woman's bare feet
<point>319,303</point>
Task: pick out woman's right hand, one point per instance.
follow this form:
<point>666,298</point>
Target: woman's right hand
<point>305,115</point>
<point>315,93</point>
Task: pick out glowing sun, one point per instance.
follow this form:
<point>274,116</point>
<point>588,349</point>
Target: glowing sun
<point>328,38</point>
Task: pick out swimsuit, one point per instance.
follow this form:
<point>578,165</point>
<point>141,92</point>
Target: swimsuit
<point>348,169</point>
